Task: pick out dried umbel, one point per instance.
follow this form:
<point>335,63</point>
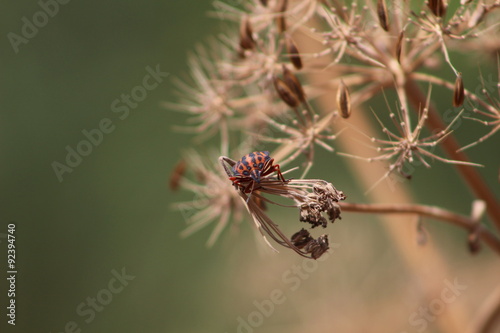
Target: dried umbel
<point>255,87</point>
<point>313,197</point>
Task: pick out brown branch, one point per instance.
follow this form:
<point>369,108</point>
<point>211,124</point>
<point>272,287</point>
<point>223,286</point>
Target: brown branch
<point>430,211</point>
<point>450,146</point>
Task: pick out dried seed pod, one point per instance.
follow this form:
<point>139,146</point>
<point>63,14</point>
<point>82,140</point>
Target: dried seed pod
<point>301,238</point>
<point>458,91</point>
<point>293,52</point>
<point>382,13</point>
<point>437,7</point>
<point>246,39</point>
<point>285,93</point>
<point>399,45</point>
<point>294,84</point>
<point>264,3</point>
<point>473,243</point>
<point>177,173</point>
<point>280,20</point>
<point>343,100</point>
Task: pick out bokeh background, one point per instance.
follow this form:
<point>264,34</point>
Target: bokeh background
<point>114,211</point>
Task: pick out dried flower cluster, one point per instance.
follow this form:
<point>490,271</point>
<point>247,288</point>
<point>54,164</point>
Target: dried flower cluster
<point>254,87</point>
<point>313,197</point>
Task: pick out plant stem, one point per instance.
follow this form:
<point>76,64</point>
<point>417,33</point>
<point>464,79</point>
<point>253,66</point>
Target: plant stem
<point>430,211</point>
<point>450,146</point>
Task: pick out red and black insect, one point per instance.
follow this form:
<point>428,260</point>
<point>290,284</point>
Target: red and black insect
<point>250,169</point>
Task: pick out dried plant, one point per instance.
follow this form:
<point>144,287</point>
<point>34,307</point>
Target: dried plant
<point>265,84</point>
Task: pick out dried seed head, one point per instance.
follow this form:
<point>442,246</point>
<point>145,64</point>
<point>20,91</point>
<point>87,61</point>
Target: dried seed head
<point>458,91</point>
<point>286,94</point>
<point>318,246</point>
<point>280,20</point>
<point>383,17</point>
<point>313,197</point>
<point>314,247</point>
<point>177,173</point>
<point>343,100</point>
<point>473,243</point>
<point>246,39</point>
<point>323,199</point>
<point>329,196</point>
<point>294,84</point>
<point>438,7</point>
<point>310,212</point>
<point>399,45</point>
<point>293,52</point>
<point>301,238</point>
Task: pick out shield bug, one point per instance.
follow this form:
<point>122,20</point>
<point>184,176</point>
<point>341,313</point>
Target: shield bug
<point>248,171</point>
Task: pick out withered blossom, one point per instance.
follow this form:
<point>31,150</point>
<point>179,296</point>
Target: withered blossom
<point>407,145</point>
<point>314,198</point>
<point>246,35</point>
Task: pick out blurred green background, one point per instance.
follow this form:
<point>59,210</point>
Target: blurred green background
<point>113,211</point>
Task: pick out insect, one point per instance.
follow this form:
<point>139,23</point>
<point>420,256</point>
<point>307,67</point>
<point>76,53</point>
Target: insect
<point>248,171</point>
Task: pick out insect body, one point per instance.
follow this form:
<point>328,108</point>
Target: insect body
<point>251,165</point>
<point>250,169</point>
